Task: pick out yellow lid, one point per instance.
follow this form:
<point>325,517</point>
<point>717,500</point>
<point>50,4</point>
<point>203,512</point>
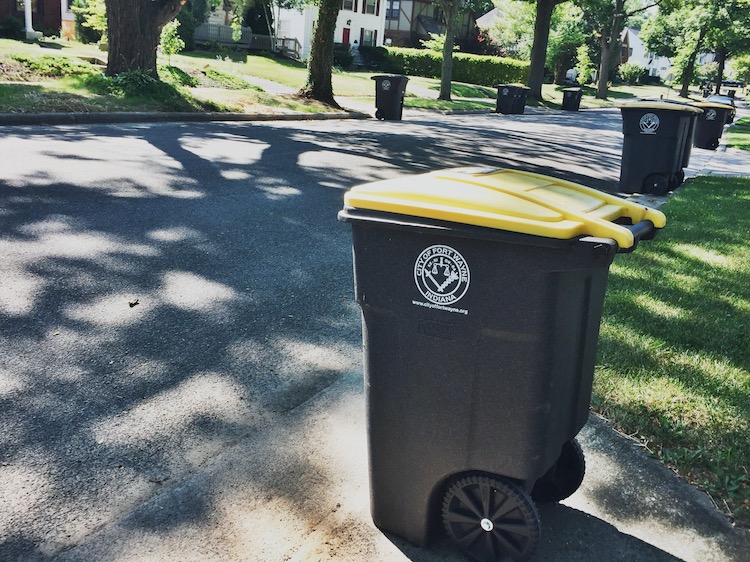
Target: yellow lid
<point>505,199</point>
<point>669,106</point>
<point>712,105</point>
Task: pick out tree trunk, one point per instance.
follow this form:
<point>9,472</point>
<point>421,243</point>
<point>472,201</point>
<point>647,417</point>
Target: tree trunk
<point>687,73</point>
<point>320,64</point>
<point>446,71</point>
<point>609,41</point>
<point>721,52</point>
<point>133,30</point>
<point>601,79</point>
<point>544,9</point>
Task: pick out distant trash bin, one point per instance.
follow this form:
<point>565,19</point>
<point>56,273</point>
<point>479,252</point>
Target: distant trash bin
<point>389,96</point>
<point>710,125</point>
<point>654,150</point>
<point>572,99</point>
<point>481,294</point>
<point>511,98</point>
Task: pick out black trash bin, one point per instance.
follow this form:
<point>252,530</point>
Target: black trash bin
<point>710,125</point>
<point>511,98</point>
<point>653,149</point>
<point>389,96</point>
<point>481,294</point>
<point>572,99</point>
<point>687,142</point>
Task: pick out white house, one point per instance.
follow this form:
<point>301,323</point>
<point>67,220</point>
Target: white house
<point>360,22</point>
<point>633,50</point>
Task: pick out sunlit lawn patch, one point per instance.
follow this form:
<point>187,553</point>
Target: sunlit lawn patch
<point>674,359</point>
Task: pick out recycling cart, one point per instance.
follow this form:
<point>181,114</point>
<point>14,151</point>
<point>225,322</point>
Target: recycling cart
<point>389,96</point>
<point>511,98</point>
<point>710,125</point>
<point>653,149</point>
<point>481,294</point>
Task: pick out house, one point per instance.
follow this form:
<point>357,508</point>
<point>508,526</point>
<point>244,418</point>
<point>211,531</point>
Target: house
<point>48,16</point>
<point>360,22</point>
<point>633,50</point>
<point>407,22</point>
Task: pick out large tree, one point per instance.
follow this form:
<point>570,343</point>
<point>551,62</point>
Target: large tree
<point>134,28</point>
<point>730,34</point>
<point>319,84</point>
<point>544,9</point>
<point>608,18</point>
<point>453,11</point>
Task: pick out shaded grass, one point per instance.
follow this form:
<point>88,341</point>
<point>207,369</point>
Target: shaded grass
<point>674,364</point>
<point>738,135</point>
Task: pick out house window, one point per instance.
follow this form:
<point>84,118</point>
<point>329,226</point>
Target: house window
<point>394,7</point>
<point>368,37</point>
<point>370,6</point>
<point>347,5</point>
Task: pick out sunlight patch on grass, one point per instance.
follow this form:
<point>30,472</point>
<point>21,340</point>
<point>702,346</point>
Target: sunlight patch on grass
<point>707,256</point>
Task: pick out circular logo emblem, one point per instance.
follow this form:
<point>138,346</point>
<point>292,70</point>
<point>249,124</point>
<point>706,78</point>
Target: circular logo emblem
<point>505,91</point>
<point>441,274</point>
<point>711,115</point>
<point>649,123</point>
<point>386,85</point>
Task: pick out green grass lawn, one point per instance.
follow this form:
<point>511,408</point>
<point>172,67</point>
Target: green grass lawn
<point>738,135</point>
<point>48,93</point>
<point>674,359</point>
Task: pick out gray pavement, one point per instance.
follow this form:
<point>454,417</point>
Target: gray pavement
<point>172,389</point>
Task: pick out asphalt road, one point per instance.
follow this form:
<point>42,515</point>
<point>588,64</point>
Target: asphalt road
<point>171,292</point>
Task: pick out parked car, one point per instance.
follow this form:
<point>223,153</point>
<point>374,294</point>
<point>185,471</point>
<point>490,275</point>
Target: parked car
<point>724,100</point>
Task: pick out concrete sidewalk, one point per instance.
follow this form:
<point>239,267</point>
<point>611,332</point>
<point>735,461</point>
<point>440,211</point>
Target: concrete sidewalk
<point>300,493</point>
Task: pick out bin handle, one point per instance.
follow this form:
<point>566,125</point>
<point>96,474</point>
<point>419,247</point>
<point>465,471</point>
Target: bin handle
<point>644,230</point>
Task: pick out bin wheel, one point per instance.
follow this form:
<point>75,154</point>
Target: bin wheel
<point>677,180</point>
<point>713,144</point>
<point>565,476</point>
<point>378,114</point>
<point>491,519</point>
<point>656,184</point>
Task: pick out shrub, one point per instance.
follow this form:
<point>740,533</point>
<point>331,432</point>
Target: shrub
<point>630,72</point>
<point>11,28</point>
<point>177,77</point>
<point>228,81</point>
<point>170,42</point>
<point>55,66</point>
<point>584,66</point>
<point>475,69</point>
<point>342,57</point>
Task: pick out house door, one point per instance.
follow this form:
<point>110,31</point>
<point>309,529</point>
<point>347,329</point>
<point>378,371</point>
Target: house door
<point>345,38</point>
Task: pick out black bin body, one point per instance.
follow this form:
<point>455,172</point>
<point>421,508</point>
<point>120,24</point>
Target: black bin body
<point>654,150</point>
<point>572,99</point>
<point>710,125</point>
<point>389,96</point>
<point>496,382</point>
<point>511,99</point>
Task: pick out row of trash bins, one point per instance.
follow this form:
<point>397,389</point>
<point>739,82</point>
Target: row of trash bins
<point>659,135</point>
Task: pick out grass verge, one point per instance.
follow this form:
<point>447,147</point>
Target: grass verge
<point>674,364</point>
<point>738,135</point>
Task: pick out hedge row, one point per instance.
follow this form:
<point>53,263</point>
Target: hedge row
<point>473,69</point>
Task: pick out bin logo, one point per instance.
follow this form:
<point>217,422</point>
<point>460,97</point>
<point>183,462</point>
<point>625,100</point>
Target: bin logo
<point>649,123</point>
<point>506,91</point>
<point>441,274</point>
<point>711,115</point>
<point>386,85</point>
